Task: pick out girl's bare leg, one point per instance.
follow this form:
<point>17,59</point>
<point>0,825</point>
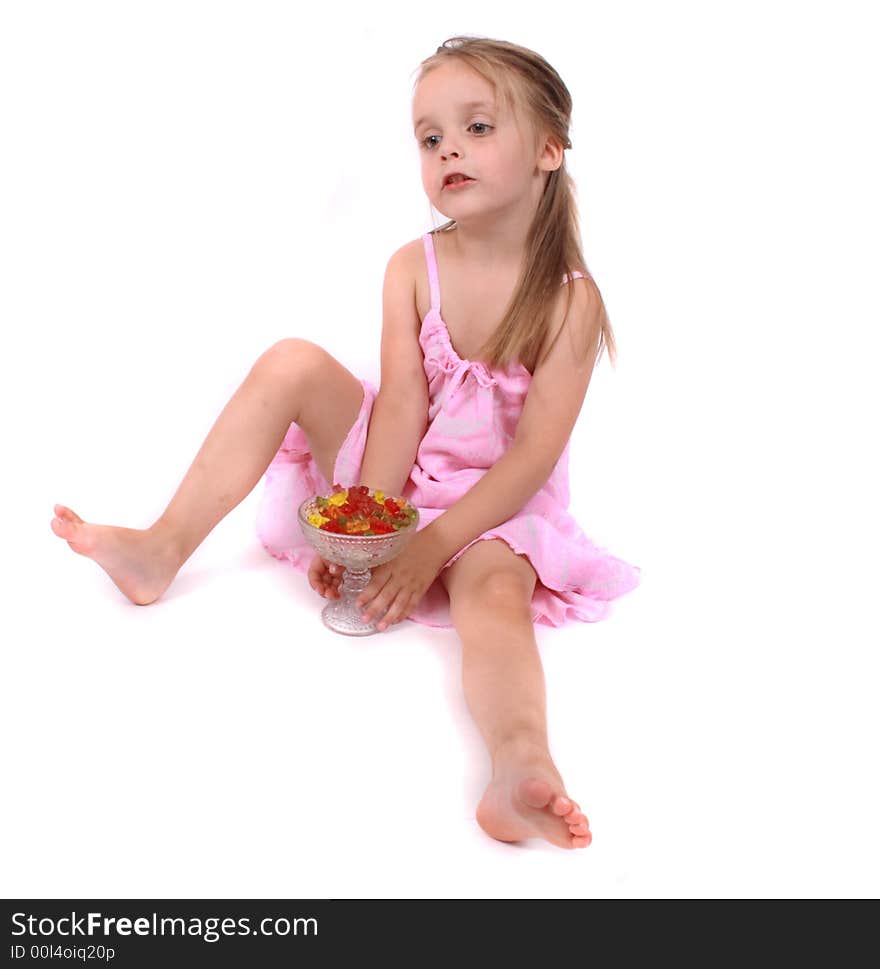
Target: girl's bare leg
<point>282,386</point>
<point>490,590</point>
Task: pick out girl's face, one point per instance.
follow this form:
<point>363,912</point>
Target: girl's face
<point>460,127</point>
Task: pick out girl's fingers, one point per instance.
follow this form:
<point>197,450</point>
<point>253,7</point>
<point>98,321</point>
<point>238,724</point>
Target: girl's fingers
<point>373,600</point>
<point>373,608</point>
<point>396,611</point>
<point>377,591</point>
<point>325,577</point>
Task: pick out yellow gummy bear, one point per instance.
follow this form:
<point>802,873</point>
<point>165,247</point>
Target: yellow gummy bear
<point>340,498</point>
<point>317,520</point>
<point>379,496</point>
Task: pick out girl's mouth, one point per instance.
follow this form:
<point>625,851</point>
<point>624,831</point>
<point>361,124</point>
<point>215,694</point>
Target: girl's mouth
<point>459,183</point>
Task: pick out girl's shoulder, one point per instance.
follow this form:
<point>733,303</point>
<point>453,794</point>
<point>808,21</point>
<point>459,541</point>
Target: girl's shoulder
<point>407,275</point>
<point>409,259</point>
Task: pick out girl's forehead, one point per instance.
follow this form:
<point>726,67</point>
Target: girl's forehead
<point>450,85</point>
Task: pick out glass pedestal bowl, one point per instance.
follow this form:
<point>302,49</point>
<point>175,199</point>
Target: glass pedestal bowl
<point>358,554</point>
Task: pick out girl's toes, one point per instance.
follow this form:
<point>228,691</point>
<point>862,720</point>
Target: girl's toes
<point>579,829</point>
<point>575,818</point>
<point>581,842</point>
<point>562,805</point>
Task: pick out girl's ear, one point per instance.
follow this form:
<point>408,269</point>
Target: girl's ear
<point>552,154</point>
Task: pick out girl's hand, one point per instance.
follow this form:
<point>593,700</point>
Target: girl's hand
<point>398,585</point>
<point>325,577</point>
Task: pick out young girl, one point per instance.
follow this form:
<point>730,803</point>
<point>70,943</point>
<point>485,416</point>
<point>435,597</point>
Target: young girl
<point>471,423</point>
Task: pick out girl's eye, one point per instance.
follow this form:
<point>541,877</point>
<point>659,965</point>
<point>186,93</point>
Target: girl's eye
<point>477,124</point>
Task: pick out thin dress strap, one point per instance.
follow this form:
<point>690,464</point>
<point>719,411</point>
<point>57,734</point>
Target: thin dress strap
<point>569,276</point>
<point>433,278</point>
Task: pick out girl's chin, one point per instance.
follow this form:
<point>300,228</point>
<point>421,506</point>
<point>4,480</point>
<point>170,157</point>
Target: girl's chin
<point>443,206</point>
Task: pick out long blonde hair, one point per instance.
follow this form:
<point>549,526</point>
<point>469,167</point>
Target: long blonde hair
<point>524,82</point>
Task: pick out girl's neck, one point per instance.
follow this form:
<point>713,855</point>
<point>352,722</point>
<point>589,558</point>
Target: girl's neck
<point>484,249</point>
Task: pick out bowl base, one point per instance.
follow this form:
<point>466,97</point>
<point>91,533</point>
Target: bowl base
<point>344,617</point>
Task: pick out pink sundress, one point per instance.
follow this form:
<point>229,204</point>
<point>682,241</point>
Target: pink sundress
<point>472,417</point>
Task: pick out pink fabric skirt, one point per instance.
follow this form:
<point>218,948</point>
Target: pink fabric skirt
<point>592,577</point>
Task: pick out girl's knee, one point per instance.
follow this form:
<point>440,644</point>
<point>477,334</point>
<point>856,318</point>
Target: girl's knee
<point>289,357</point>
<point>501,592</point>
<point>505,590</point>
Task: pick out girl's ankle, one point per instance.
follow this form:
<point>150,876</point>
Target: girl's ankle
<point>168,542</point>
<point>521,748</point>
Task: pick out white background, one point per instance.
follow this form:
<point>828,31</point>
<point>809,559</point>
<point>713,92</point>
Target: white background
<point>185,183</point>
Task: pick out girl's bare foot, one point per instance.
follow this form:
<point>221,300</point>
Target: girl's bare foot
<point>140,562</point>
<point>526,799</point>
